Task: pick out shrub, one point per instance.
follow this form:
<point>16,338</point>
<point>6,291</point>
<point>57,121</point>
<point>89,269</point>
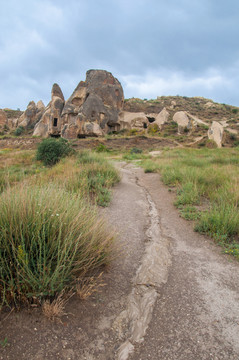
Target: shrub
<point>51,150</point>
<point>136,150</point>
<point>48,240</point>
<point>133,132</point>
<point>19,131</point>
<point>153,129</point>
<point>210,144</point>
<point>101,148</point>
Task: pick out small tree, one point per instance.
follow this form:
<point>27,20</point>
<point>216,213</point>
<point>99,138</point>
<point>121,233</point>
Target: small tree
<point>51,150</point>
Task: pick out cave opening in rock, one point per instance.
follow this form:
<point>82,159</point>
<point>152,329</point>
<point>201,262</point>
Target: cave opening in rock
<point>81,136</point>
<point>145,126</point>
<point>55,135</point>
<point>55,122</point>
<point>150,119</point>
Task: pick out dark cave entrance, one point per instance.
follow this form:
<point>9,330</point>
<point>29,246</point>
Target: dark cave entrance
<point>145,126</point>
<point>150,119</point>
<point>55,121</point>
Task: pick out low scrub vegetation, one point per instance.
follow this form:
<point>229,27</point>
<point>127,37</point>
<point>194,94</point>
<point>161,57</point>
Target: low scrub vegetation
<point>51,150</point>
<point>51,235</point>
<point>207,190</point>
<point>48,240</point>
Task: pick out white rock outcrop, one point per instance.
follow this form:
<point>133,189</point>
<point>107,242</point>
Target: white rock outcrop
<point>162,117</point>
<point>183,121</point>
<point>215,133</point>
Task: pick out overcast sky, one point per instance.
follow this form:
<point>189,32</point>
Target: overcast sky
<point>153,47</point>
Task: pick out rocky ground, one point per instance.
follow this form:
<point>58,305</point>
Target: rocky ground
<point>169,294</point>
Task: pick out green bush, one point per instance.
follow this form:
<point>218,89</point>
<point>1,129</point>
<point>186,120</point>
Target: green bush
<point>48,241</point>
<point>51,150</point>
<point>101,148</point>
<point>136,150</point>
<point>19,131</point>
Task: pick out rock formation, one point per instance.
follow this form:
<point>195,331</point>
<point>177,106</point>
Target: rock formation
<point>215,133</point>
<point>132,120</point>
<point>162,118</point>
<point>32,114</point>
<point>50,122</point>
<point>92,109</point>
<point>183,121</point>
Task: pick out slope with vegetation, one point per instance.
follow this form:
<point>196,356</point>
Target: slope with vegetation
<point>206,183</point>
<point>52,237</point>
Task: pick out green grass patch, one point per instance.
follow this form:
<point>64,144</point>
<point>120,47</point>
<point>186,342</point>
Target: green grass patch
<point>150,166</point>
<point>211,175</point>
<point>189,212</point>
<point>48,241</point>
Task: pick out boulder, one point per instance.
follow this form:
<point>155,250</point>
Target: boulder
<point>162,117</point>
<point>50,122</point>
<point>173,104</point>
<point>131,120</point>
<point>3,119</point>
<point>183,121</point>
<point>31,115</point>
<point>215,133</point>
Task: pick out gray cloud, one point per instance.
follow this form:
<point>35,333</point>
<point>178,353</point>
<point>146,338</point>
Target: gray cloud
<point>153,47</point>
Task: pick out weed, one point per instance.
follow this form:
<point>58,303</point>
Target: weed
<point>188,194</point>
<point>89,285</point>
<point>189,212</point>
<point>55,308</point>
<point>4,342</point>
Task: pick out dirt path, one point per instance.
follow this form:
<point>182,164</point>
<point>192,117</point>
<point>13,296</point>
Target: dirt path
<point>170,293</point>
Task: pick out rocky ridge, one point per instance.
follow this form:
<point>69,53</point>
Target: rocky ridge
<point>97,107</point>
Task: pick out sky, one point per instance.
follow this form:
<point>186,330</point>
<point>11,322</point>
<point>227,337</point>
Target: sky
<point>153,47</point>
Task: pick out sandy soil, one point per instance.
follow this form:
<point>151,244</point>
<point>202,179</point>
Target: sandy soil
<point>170,292</point>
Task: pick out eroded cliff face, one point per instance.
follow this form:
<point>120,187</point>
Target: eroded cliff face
<point>92,109</point>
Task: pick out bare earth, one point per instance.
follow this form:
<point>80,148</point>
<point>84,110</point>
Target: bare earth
<point>170,292</point>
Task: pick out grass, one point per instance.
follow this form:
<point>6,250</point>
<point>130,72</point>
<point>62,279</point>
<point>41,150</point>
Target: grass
<point>16,166</point>
<point>51,236</point>
<point>205,176</point>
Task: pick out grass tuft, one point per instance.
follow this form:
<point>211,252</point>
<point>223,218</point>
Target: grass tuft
<point>48,240</point>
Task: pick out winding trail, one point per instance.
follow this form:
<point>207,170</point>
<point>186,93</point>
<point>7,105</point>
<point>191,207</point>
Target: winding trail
<point>170,292</point>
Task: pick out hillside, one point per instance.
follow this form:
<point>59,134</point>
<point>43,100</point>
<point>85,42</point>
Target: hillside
<point>204,110</point>
<point>202,113</point>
